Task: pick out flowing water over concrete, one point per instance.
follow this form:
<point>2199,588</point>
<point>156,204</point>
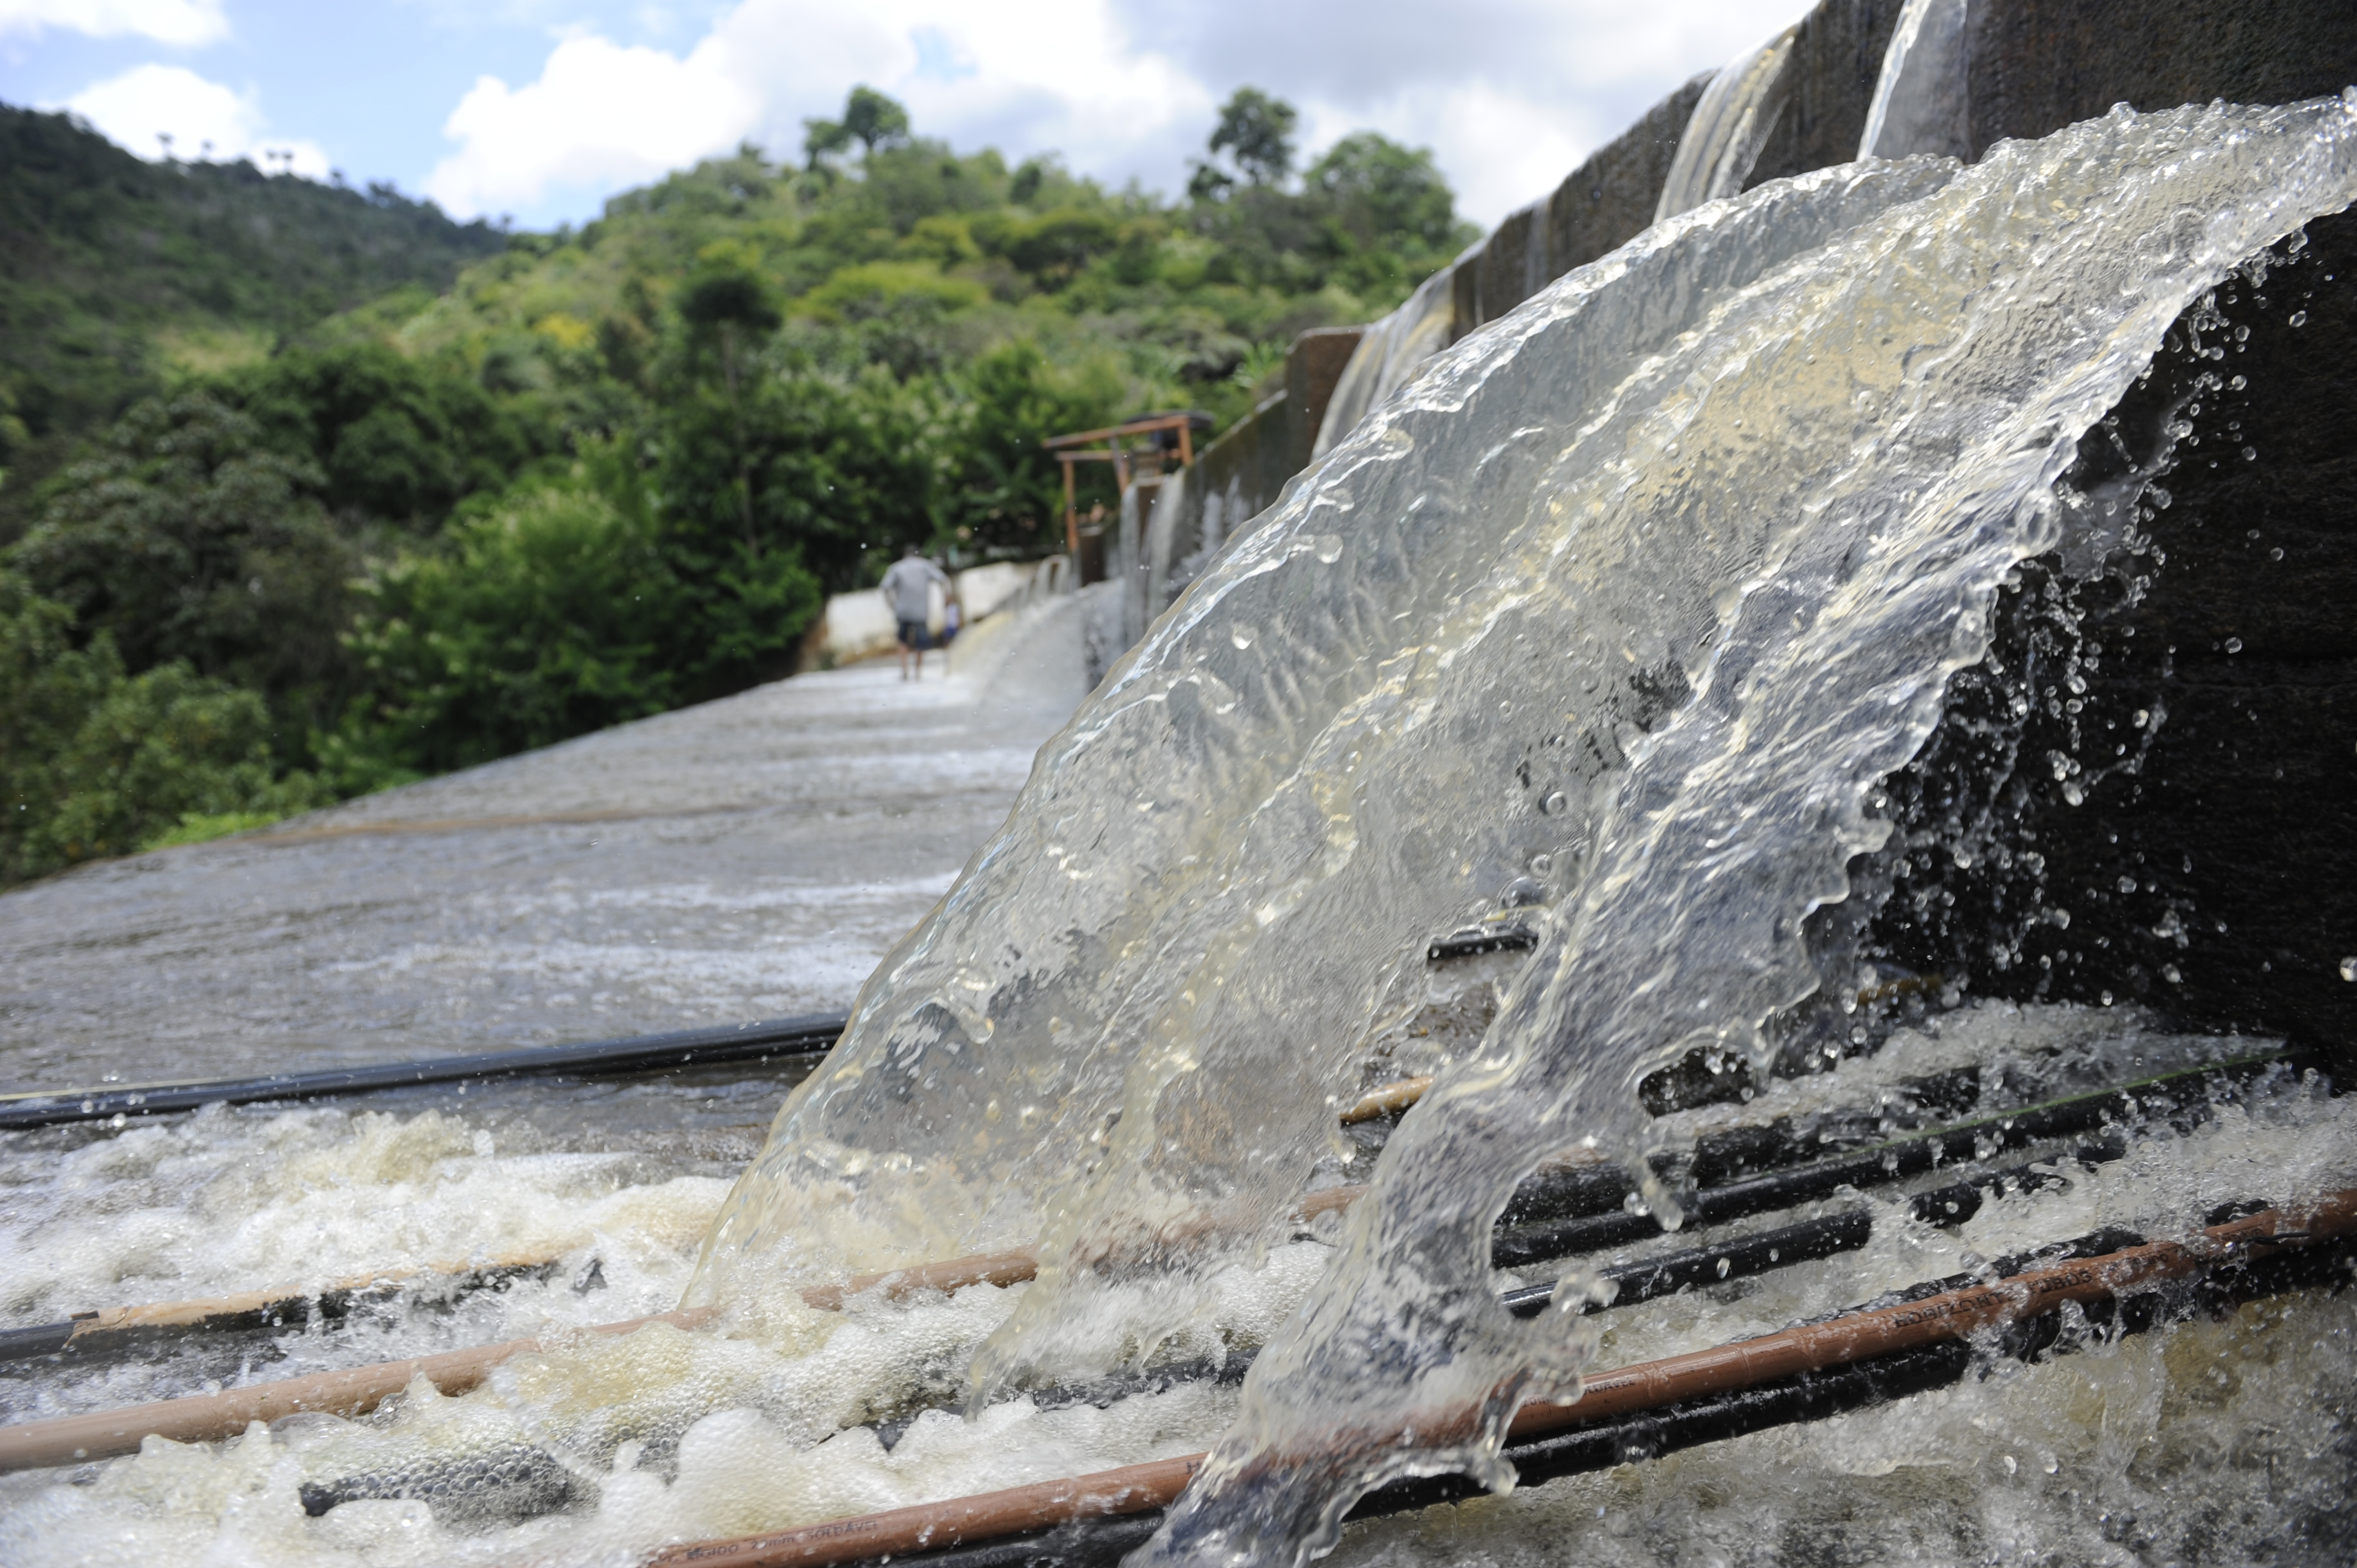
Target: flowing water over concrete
<point>748,857</point>
<point>744,859</point>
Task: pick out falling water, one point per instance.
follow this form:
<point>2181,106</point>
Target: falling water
<point>1388,357</point>
<point>1818,493</point>
<point>1623,605</point>
<point>1922,99</point>
<point>1728,128</point>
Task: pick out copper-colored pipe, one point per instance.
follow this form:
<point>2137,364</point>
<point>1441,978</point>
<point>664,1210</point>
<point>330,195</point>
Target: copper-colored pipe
<point>203,1418</point>
<point>103,1434</point>
<point>1133,1488</point>
<point>1855,1336</point>
<point>109,1322</point>
<point>210,1417</point>
<point>1012,1267</point>
<point>1385,1099</point>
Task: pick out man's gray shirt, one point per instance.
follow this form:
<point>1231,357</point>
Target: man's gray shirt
<point>906,583</point>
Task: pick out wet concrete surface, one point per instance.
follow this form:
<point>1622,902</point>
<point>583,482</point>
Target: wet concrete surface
<point>747,858</point>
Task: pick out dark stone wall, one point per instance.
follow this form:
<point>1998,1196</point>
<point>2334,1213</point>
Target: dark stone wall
<point>1600,206</point>
<point>1239,475</point>
<point>1835,61</point>
<point>2209,865</point>
<point>2040,65</point>
<point>2209,870</point>
<point>1312,366</point>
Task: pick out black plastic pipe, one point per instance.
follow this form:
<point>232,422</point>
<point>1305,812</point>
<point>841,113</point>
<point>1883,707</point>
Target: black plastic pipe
<point>1586,1195</point>
<point>812,1035</point>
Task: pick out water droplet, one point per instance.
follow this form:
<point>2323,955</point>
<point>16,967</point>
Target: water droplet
<point>1541,863</point>
<point>1724,1265</point>
<point>2168,972</point>
<point>2349,969</point>
<point>2233,645</point>
<point>1241,638</point>
<point>1328,547</point>
<point>2299,319</point>
<point>2127,884</point>
<point>2010,1468</point>
<point>2142,717</point>
<point>2277,553</point>
<point>1556,804</point>
<point>2250,454</point>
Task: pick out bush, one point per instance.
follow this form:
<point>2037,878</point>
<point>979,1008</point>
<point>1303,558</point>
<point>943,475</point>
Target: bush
<point>95,762</point>
<point>545,615</point>
<point>186,538</point>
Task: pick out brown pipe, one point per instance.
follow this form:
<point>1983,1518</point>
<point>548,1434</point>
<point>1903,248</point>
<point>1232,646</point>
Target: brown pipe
<point>103,1434</point>
<point>952,1273</point>
<point>203,1418</point>
<point>1854,1336</point>
<point>94,1327</point>
<point>926,1526</point>
<point>1384,1099</point>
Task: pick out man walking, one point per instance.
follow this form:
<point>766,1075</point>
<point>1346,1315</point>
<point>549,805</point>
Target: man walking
<point>907,588</point>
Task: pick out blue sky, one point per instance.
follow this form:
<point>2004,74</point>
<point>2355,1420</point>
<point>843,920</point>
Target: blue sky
<point>542,108</point>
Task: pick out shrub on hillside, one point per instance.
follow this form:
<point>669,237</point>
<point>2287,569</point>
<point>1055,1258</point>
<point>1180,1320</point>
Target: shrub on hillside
<point>546,614</point>
<point>95,762</point>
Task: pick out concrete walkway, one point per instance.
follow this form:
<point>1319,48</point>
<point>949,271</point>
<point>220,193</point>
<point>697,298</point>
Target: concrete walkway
<point>747,858</point>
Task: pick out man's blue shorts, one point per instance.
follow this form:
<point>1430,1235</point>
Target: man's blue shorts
<point>913,635</point>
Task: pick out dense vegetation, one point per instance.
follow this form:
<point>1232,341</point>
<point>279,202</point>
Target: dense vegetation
<point>115,275</point>
<point>615,470</point>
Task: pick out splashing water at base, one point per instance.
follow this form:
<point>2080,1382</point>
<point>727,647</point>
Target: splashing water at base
<point>601,1450</point>
<point>1692,542</point>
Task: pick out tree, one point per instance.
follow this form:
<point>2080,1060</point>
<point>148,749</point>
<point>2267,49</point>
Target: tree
<point>1383,193</point>
<point>96,762</point>
<point>398,439</point>
<point>730,305</point>
<point>875,120</point>
<point>187,538</point>
<point>1256,132</point>
<point>1006,492</point>
<point>545,615</point>
<point>869,118</point>
<point>821,139</point>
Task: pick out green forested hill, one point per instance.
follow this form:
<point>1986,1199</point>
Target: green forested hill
<point>115,273</point>
<point>605,471</point>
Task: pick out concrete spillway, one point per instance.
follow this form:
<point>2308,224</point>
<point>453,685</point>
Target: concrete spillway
<point>744,858</point>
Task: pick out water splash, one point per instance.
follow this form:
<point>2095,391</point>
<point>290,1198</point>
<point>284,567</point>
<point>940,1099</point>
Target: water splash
<point>1632,594</point>
<point>1729,126</point>
<point>1817,494</point>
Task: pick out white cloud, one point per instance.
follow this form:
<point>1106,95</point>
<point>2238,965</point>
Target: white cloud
<point>1511,94</point>
<point>182,22</point>
<point>204,119</point>
<point>599,116</point>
